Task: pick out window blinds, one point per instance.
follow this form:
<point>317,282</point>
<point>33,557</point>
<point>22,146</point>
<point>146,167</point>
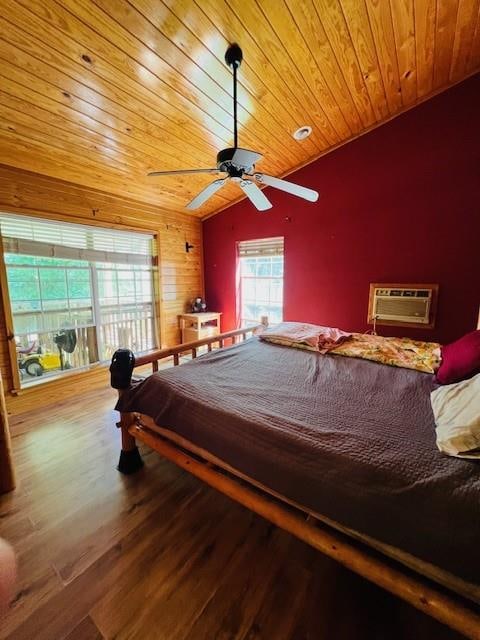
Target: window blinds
<point>45,238</point>
<point>263,247</point>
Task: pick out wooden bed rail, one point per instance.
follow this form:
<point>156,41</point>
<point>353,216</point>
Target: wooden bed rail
<point>176,351</point>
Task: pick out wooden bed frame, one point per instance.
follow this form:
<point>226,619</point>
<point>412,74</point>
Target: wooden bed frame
<point>446,606</point>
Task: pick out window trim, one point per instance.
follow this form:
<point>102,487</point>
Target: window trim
<point>158,326</point>
<point>9,329</point>
<point>260,247</point>
<point>67,374</point>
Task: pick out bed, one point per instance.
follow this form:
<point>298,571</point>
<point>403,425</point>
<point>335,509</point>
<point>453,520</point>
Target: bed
<point>339,451</point>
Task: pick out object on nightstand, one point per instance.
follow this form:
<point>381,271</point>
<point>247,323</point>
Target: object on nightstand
<point>199,306</point>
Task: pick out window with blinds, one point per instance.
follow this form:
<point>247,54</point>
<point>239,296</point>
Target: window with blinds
<point>77,293</point>
<point>260,267</point>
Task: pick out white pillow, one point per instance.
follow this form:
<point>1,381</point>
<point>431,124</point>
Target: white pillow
<point>456,408</point>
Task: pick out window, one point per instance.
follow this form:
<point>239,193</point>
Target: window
<point>77,293</point>
<point>260,271</point>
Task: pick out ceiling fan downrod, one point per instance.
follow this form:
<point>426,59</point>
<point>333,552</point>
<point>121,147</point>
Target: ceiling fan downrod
<point>233,58</point>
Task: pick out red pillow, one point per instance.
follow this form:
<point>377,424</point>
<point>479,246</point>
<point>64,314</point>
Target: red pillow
<point>460,359</point>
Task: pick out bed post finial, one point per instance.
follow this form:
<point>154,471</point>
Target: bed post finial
<point>121,368</point>
<point>260,328</point>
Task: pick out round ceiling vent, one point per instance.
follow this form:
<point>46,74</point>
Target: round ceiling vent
<point>302,132</point>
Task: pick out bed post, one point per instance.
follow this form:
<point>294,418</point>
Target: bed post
<point>123,362</point>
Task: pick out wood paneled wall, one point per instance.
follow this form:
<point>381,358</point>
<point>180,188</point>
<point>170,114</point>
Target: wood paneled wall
<point>180,273</point>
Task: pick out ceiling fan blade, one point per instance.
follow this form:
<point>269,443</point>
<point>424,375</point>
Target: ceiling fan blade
<point>289,187</point>
<point>172,173</point>
<point>206,193</point>
<point>256,195</point>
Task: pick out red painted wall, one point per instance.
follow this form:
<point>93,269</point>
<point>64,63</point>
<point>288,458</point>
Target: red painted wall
<point>399,204</point>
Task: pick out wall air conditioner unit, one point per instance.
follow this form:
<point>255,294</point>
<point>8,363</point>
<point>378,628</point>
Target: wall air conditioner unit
<point>405,305</point>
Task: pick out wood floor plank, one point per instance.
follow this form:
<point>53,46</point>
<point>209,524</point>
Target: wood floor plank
<point>250,576</point>
<point>67,608</point>
<point>16,527</point>
<point>286,602</point>
<point>86,630</point>
<point>32,592</point>
<point>152,597</point>
<point>104,525</point>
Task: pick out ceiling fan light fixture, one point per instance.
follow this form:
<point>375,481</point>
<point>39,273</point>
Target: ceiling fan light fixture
<point>302,132</point>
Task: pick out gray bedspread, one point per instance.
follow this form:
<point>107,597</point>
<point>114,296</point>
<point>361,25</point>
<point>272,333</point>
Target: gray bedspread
<point>350,439</point>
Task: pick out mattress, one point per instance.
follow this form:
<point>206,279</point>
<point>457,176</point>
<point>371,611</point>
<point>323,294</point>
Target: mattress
<point>350,439</point>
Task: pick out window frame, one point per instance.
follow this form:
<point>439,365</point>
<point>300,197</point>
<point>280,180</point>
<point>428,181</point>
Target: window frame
<point>240,278</point>
<point>16,388</point>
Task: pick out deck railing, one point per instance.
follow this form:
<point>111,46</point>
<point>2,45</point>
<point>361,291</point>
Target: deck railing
<point>131,327</point>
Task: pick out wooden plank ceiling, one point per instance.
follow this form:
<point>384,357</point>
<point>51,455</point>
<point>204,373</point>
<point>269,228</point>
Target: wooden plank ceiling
<point>100,92</point>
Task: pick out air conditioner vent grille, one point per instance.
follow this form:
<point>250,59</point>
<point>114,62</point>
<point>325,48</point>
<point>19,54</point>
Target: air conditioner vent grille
<point>410,309</point>
<point>397,304</point>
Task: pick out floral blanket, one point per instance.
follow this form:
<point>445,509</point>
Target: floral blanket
<point>397,352</point>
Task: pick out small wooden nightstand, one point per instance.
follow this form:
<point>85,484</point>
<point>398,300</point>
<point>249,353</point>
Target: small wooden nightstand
<point>194,327</point>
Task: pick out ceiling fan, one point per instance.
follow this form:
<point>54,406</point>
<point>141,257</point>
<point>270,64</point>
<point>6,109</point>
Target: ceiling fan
<point>239,164</point>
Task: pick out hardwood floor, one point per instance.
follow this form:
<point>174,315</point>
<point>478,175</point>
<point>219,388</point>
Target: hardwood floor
<point>160,556</point>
